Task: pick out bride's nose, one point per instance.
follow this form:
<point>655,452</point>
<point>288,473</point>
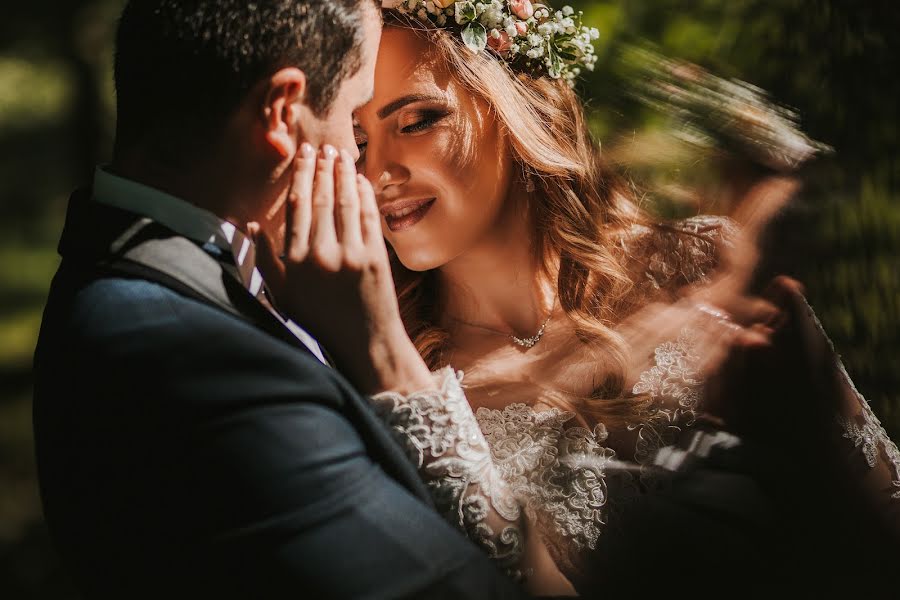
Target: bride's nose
<point>389,178</point>
<point>385,172</point>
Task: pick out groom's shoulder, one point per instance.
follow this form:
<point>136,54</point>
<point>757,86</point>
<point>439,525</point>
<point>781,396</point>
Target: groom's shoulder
<point>142,322</point>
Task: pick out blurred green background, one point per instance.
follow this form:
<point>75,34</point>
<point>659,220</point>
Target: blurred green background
<point>835,61</point>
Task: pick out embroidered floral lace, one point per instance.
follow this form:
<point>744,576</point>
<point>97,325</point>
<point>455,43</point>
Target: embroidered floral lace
<point>493,471</point>
<point>442,437</point>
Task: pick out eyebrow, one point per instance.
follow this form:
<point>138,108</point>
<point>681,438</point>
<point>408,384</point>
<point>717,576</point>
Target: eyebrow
<point>394,106</point>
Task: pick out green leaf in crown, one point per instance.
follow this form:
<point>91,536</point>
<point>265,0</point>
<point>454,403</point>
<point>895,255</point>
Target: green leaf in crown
<point>533,37</point>
<point>475,37</point>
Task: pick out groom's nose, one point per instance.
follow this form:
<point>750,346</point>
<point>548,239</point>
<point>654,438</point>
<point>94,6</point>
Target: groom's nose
<point>346,140</point>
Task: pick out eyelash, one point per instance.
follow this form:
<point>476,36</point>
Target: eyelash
<point>429,118</point>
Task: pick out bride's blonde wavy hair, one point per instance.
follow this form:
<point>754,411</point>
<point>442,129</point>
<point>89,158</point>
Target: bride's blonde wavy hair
<point>578,209</point>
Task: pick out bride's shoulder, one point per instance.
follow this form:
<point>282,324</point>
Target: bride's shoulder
<point>668,255</point>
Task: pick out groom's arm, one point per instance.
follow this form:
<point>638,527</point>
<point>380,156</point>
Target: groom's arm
<point>184,451</point>
<point>287,497</point>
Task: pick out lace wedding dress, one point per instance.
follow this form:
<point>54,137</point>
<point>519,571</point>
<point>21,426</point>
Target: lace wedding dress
<point>498,475</point>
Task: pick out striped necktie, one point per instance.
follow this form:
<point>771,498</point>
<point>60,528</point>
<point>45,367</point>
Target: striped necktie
<point>243,252</point>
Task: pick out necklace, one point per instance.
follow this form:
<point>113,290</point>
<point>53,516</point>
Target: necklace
<point>527,342</point>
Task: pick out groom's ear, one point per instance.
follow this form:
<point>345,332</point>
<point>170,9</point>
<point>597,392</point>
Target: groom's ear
<point>285,94</point>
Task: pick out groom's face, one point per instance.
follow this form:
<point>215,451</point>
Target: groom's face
<point>335,127</point>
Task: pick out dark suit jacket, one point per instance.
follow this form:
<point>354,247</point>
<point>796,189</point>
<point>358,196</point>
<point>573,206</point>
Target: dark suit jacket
<point>188,445</point>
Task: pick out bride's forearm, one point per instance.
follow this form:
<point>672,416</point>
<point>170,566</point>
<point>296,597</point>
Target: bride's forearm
<point>439,431</point>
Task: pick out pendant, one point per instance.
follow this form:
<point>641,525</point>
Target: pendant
<point>529,342</point>
<point>526,342</point>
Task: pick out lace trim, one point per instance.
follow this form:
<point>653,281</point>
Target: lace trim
<point>675,385</point>
<point>442,438</point>
<point>682,253</point>
<point>870,434</point>
<point>558,472</point>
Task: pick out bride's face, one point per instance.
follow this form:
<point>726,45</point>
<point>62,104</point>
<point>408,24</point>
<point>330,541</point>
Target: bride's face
<point>440,167</point>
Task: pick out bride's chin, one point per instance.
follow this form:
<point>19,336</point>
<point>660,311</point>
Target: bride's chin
<point>419,259</point>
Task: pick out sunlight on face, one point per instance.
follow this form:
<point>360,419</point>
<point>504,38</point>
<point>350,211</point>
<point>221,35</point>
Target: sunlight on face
<point>335,127</point>
<point>434,153</point>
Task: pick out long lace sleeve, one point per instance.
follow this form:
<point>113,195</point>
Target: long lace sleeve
<point>867,435</point>
<point>441,435</point>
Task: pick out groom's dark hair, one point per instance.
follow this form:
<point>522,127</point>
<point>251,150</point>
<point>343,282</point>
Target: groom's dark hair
<point>183,66</point>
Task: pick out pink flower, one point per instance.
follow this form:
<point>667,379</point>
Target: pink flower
<point>500,44</point>
<point>521,27</point>
<point>521,8</point>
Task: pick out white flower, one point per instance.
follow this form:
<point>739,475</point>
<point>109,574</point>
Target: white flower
<point>545,28</point>
<point>534,39</point>
<point>495,34</point>
<point>509,22</point>
<point>479,8</point>
<point>511,30</point>
<point>594,33</point>
<point>515,48</point>
<point>491,17</point>
<point>429,6</point>
<point>422,14</point>
<point>567,10</point>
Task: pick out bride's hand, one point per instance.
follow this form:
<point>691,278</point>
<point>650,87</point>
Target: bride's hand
<point>334,277</point>
<point>720,314</point>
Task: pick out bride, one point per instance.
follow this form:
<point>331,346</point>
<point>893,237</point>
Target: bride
<point>586,331</point>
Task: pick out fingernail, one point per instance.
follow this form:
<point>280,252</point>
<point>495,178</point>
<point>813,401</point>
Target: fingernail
<point>346,158</point>
<point>329,152</point>
<point>306,150</point>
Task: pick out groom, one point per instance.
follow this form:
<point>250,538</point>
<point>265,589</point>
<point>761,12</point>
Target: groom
<point>191,440</point>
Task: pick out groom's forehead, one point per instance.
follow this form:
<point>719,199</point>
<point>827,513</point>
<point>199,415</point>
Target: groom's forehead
<point>362,83</point>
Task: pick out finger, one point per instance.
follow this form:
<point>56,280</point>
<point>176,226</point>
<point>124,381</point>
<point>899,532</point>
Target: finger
<point>754,213</point>
<point>787,294</point>
<point>347,210</point>
<point>368,210</point>
<point>323,236</point>
<point>750,310</point>
<point>267,261</point>
<point>298,209</point>
<point>764,201</point>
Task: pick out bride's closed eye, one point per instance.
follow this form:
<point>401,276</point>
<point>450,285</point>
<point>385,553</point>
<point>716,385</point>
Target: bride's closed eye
<point>423,119</point>
<point>411,123</point>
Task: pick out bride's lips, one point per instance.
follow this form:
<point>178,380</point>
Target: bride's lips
<point>403,214</point>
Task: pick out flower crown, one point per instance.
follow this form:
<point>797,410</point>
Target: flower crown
<point>534,38</point>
